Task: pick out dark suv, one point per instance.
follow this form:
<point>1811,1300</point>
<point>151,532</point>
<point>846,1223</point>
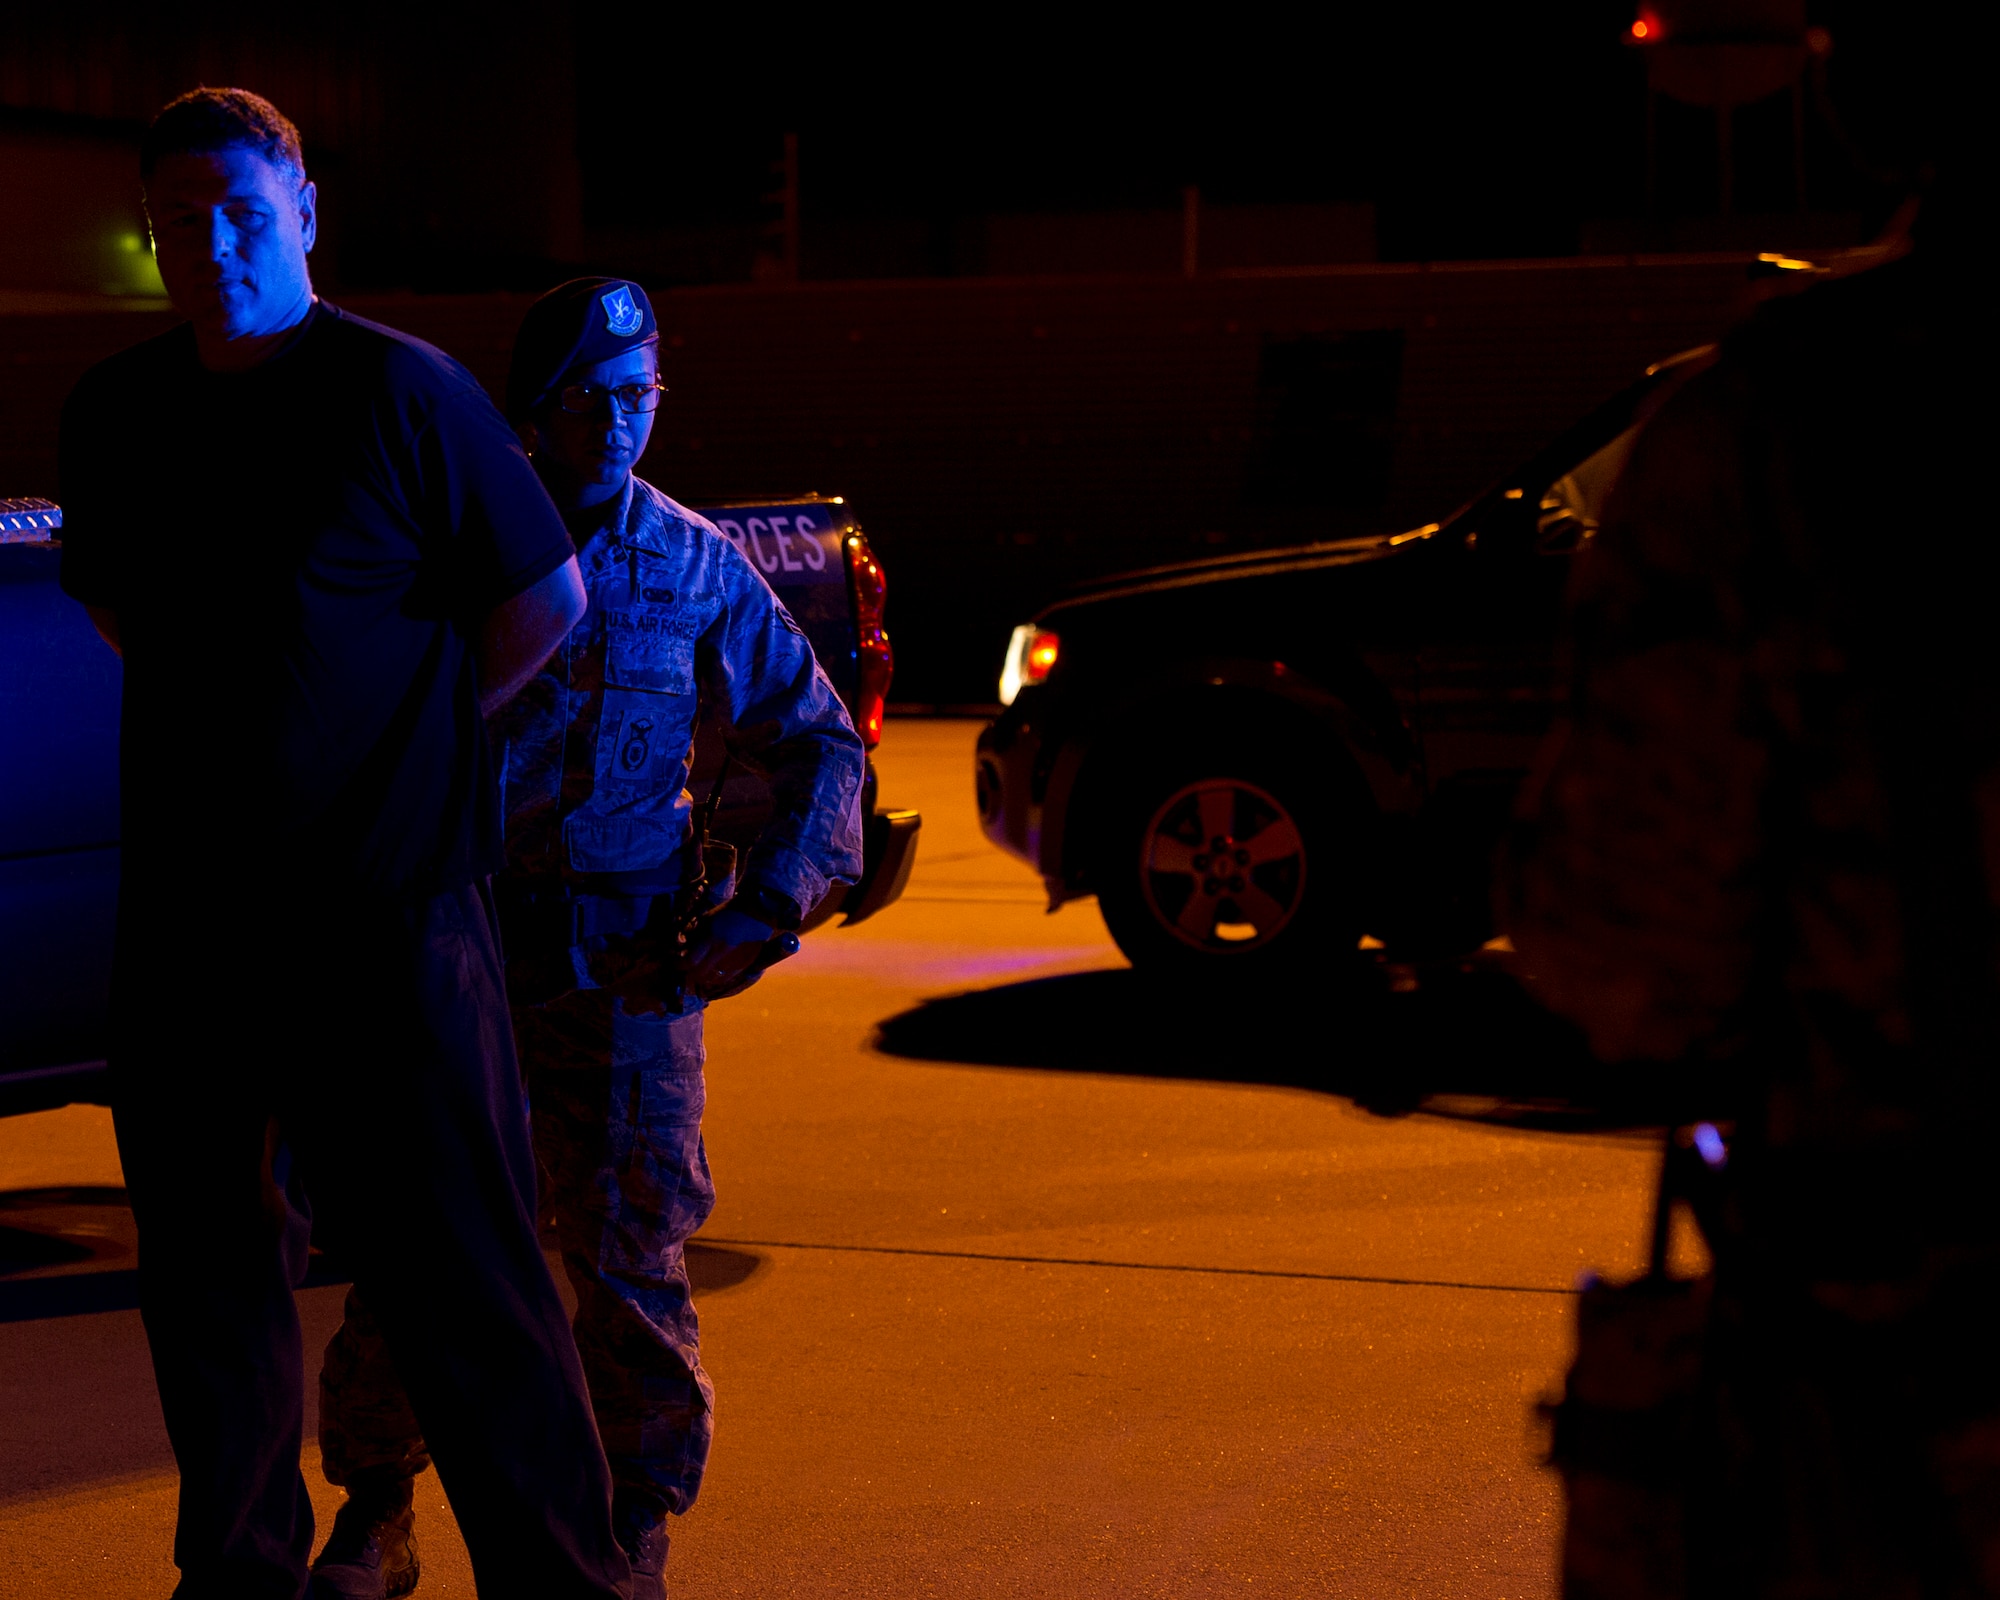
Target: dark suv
<point>1286,753</point>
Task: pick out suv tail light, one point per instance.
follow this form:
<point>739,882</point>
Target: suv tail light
<point>875,659</point>
<point>1031,656</point>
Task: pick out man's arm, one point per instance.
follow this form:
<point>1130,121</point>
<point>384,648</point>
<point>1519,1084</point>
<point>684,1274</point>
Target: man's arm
<point>785,719</point>
<point>782,717</point>
<point>105,621</point>
<point>520,634</point>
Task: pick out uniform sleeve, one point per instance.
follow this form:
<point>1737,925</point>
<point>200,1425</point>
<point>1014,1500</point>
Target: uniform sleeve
<point>92,529</point>
<point>1639,886</point>
<point>506,531</point>
<point>785,719</point>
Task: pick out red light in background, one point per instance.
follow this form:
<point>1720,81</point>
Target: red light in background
<point>1640,29</point>
<point>1032,653</point>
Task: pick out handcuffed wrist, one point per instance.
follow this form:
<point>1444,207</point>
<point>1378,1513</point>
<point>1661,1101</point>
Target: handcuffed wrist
<point>768,905</point>
<point>731,926</point>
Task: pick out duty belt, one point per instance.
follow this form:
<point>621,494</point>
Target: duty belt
<point>545,914</point>
<point>544,920</point>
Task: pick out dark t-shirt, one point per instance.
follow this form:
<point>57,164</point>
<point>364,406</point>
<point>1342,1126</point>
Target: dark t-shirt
<point>300,557</point>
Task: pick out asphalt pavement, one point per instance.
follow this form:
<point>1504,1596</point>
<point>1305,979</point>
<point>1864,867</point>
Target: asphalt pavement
<point>1026,1278</point>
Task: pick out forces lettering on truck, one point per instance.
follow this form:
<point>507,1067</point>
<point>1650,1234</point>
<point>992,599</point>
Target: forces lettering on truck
<point>791,542</point>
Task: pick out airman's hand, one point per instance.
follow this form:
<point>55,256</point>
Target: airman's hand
<point>730,944</point>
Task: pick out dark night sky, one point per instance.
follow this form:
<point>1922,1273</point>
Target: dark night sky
<point>1475,132</point>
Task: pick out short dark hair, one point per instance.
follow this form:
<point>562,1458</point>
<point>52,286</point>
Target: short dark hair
<point>204,120</point>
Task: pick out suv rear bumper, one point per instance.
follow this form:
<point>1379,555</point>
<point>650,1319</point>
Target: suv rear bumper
<point>888,851</point>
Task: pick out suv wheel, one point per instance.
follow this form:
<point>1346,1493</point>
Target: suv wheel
<point>1230,867</point>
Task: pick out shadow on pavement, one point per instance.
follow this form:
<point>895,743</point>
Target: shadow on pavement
<point>1460,1041</point>
<point>73,1222</point>
<point>711,1268</point>
<point>23,1250</point>
<point>64,1251</point>
<point>67,1252</point>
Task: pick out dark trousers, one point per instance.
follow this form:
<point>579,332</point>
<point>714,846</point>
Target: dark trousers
<point>618,1096</point>
<point>357,1057</point>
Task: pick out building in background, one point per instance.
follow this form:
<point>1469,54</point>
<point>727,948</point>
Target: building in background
<point>505,146</point>
<point>69,191</point>
<point>1043,308</point>
<point>441,150</point>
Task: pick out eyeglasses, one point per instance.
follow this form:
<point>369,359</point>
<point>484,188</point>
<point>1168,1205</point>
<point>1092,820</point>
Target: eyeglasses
<point>580,399</point>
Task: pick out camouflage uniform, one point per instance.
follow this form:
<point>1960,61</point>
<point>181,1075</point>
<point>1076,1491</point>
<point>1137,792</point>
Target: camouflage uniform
<point>1766,850</point>
<point>594,757</point>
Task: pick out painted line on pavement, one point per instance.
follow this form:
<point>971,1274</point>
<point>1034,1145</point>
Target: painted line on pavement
<point>1137,1266</point>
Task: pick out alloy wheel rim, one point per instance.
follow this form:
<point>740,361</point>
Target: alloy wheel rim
<point>1223,866</point>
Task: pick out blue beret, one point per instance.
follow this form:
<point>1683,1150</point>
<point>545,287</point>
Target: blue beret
<point>576,324</point>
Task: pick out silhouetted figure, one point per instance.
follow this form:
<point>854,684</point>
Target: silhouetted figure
<point>1767,850</point>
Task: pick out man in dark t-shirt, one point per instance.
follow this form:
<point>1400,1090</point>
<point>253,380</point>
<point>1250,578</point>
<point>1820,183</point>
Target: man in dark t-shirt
<point>322,555</point>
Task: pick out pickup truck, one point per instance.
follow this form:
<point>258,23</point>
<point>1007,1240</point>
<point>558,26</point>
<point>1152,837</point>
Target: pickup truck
<point>59,696</point>
<point>1265,761</point>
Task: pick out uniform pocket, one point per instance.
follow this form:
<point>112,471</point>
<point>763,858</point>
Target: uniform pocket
<point>663,1178</point>
<point>651,650</point>
<point>643,739</point>
<point>652,624</point>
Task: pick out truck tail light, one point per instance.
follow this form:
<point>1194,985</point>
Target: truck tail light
<point>875,659</point>
<point>1031,656</point>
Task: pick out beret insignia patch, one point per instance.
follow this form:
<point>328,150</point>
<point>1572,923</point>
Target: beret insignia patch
<point>621,316</point>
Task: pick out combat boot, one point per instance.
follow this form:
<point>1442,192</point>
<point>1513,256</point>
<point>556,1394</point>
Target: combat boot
<point>372,1552</point>
<point>642,1535</point>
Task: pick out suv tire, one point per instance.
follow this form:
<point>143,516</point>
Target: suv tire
<point>1234,863</point>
